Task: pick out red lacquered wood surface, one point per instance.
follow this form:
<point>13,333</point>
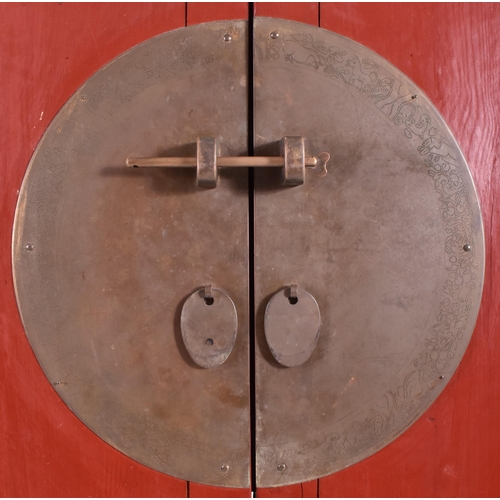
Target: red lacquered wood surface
<point>299,490</point>
<point>46,52</point>
<point>303,12</point>
<point>450,51</point>
<point>205,12</point>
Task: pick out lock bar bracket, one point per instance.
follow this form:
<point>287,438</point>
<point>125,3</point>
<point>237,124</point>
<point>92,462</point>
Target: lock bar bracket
<point>293,162</point>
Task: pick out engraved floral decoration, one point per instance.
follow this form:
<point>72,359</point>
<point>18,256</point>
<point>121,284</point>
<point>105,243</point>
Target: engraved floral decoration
<point>440,156</point>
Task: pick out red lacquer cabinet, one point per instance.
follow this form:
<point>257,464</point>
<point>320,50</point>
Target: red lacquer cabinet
<point>451,51</point>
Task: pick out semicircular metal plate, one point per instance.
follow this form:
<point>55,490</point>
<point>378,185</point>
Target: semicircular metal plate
<point>389,243</point>
<point>104,256</point>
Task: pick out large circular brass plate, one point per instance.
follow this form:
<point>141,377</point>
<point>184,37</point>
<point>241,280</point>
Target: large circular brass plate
<point>389,244</point>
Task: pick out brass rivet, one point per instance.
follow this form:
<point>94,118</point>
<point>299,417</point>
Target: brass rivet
<point>227,37</point>
<point>467,248</point>
<point>224,468</point>
<point>281,467</point>
<point>274,35</point>
<point>29,247</point>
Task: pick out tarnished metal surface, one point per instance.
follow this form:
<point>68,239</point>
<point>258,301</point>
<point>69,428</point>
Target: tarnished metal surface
<point>207,175</point>
<point>389,243</point>
<point>105,256</point>
<point>209,323</point>
<point>294,171</point>
<point>291,324</point>
<point>207,163</point>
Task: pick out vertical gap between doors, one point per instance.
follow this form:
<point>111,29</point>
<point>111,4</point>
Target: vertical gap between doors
<point>251,290</point>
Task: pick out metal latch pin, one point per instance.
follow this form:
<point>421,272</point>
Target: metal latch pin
<point>208,297</point>
<point>292,298</point>
<point>293,161</point>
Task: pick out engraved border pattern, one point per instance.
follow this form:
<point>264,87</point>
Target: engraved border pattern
<point>397,408</point>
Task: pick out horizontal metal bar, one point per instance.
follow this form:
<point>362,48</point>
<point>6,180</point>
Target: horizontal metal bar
<point>222,162</point>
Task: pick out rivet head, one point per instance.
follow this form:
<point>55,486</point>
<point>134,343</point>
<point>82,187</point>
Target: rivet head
<point>29,247</point>
<point>224,468</point>
<point>467,248</point>
<point>281,467</point>
<point>441,377</point>
<point>274,35</point>
<point>227,37</point>
<point>209,342</point>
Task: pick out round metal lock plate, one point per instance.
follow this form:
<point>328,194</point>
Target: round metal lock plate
<point>292,325</point>
<point>209,325</point>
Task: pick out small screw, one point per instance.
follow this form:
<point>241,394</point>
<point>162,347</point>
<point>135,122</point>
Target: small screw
<point>467,248</point>
<point>274,35</point>
<point>281,467</point>
<point>29,247</point>
<point>224,468</point>
<point>441,377</point>
<point>227,37</point>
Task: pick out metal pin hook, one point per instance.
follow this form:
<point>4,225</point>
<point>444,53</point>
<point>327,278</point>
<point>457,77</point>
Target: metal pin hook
<point>207,295</point>
<point>292,298</point>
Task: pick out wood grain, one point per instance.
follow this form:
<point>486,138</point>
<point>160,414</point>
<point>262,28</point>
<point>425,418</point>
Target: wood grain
<point>205,12</point>
<point>47,51</point>
<point>205,491</point>
<point>303,12</point>
<point>308,489</point>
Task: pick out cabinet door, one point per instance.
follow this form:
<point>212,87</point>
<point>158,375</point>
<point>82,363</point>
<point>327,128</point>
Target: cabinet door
<point>387,248</point>
<point>58,441</point>
<point>434,45</point>
<point>47,451</point>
